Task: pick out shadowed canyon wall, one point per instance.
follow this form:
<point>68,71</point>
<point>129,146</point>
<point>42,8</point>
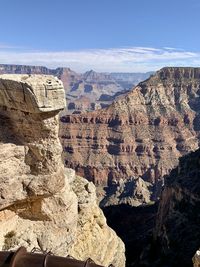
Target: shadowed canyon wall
<point>176,236</point>
<point>168,232</point>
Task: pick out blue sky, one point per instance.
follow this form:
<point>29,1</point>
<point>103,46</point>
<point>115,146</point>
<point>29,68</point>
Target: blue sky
<point>104,35</point>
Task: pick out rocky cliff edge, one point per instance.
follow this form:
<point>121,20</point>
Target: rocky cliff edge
<point>43,204</point>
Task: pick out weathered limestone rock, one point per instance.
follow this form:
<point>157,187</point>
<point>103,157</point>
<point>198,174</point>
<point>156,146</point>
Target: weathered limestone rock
<point>134,191</point>
<point>93,230</point>
<point>36,136</point>
<point>31,93</point>
<point>38,207</point>
<point>196,259</point>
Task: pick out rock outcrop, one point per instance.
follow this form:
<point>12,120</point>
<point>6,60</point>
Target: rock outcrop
<point>141,135</point>
<point>94,237</point>
<point>176,236</point>
<point>43,204</point>
<point>90,85</point>
<point>178,221</point>
<point>196,259</point>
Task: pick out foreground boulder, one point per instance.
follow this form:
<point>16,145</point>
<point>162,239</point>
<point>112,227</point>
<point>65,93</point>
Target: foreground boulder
<point>42,204</point>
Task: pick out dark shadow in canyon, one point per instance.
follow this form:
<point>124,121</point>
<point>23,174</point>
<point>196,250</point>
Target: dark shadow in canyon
<point>134,225</point>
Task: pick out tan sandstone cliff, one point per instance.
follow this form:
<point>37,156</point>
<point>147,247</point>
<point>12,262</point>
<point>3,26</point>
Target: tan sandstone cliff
<point>133,143</point>
<point>43,204</point>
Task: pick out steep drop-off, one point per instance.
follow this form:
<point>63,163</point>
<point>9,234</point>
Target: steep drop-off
<point>43,204</point>
<point>176,235</point>
<point>129,146</point>
<point>134,225</point>
<point>167,236</point>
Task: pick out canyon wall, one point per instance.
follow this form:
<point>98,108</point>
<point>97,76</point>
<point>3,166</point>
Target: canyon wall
<point>176,235</point>
<point>129,146</point>
<point>178,221</point>
<point>87,91</point>
<point>42,204</point>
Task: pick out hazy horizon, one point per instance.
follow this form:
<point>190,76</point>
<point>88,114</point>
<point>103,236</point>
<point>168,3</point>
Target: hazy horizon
<point>106,36</point>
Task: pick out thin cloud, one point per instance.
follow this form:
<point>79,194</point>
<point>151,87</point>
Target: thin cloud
<point>4,46</point>
<point>127,59</point>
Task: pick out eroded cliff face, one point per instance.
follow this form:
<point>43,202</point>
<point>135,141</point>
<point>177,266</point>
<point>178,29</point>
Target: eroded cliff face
<point>87,91</point>
<point>177,232</point>
<point>43,204</point>
<point>94,237</point>
<point>178,222</point>
<point>140,136</point>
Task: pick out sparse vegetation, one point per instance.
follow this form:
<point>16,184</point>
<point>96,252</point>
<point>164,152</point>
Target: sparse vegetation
<point>9,240</point>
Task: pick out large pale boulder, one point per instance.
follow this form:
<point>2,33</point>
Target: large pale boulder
<point>31,93</point>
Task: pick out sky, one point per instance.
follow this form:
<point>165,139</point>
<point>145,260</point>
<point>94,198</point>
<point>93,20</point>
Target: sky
<point>103,35</point>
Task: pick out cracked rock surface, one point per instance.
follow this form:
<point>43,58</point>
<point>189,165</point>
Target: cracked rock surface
<point>43,204</point>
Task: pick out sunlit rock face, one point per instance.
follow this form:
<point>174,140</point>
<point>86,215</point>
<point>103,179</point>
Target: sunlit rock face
<point>39,206</point>
<point>87,91</point>
<point>140,136</point>
<point>32,93</point>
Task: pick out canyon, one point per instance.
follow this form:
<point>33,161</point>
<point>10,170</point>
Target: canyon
<point>44,205</point>
<point>87,91</point>
<point>127,148</point>
<point>150,194</point>
<point>166,233</point>
<point>177,231</point>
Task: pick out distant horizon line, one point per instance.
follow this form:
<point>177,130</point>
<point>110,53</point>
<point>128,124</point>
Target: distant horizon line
<point>55,68</point>
<point>90,70</point>
<point>111,60</point>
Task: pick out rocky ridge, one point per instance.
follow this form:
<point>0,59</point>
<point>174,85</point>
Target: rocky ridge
<point>43,204</point>
<point>127,79</point>
<point>140,136</point>
<point>88,91</point>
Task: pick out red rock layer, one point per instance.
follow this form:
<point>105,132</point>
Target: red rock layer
<point>142,134</point>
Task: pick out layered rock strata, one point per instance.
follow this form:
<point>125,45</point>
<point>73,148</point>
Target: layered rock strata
<point>87,91</point>
<point>141,135</point>
<point>43,204</point>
